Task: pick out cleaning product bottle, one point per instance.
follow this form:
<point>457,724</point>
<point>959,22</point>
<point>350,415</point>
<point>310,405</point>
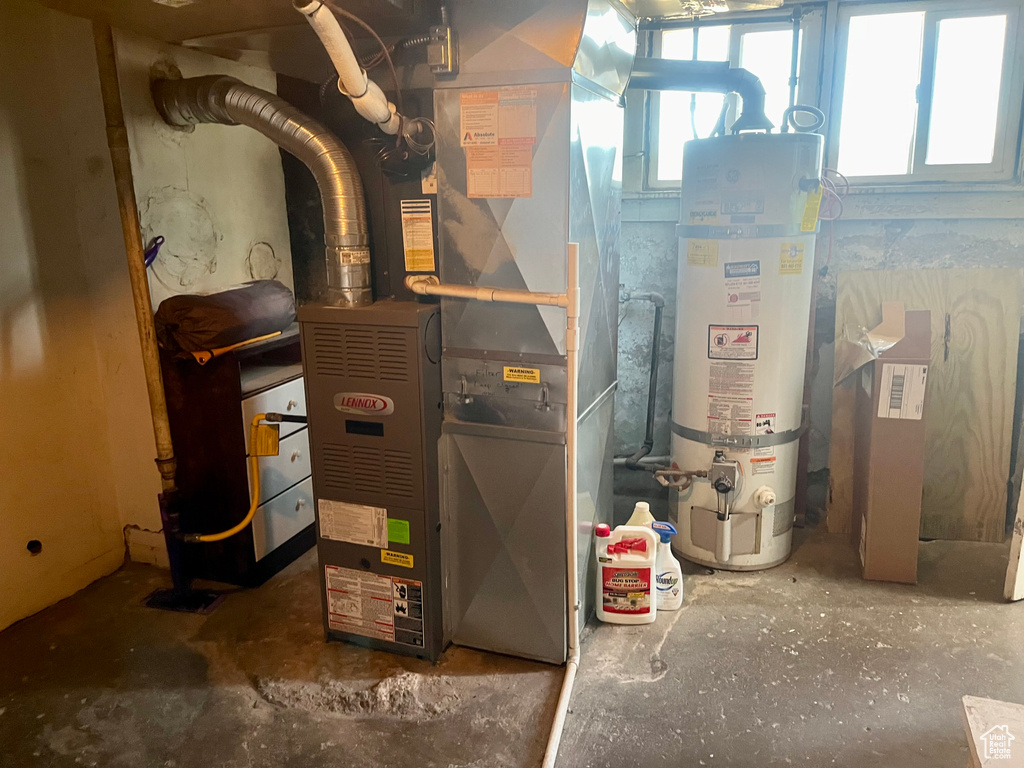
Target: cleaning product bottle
<point>625,574</point>
<point>641,515</point>
<point>668,576</point>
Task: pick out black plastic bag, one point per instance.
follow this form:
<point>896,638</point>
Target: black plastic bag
<point>195,323</point>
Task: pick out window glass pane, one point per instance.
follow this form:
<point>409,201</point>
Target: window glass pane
<point>879,109</point>
<point>676,121</point>
<point>965,95</point>
<point>769,56</point>
<point>712,43</point>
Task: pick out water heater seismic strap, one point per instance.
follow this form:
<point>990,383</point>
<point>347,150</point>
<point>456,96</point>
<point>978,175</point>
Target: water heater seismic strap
<point>739,441</point>
<point>706,232</point>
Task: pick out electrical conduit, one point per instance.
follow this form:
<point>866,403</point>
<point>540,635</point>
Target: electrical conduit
<point>225,100</point>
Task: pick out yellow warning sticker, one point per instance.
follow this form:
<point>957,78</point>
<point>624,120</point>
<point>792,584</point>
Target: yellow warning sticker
<point>702,253</point>
<point>528,375</point>
<point>809,223</point>
<point>396,558</point>
<point>791,259</point>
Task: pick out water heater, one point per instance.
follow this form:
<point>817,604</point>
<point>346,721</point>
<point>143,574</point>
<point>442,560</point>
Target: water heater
<point>747,226</point>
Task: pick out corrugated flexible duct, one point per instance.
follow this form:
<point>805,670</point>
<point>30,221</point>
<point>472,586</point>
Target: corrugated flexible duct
<point>225,100</point>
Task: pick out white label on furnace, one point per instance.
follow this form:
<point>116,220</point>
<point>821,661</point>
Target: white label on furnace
<point>354,523</point>
<point>732,342</point>
<point>359,602</point>
<point>902,395</point>
<point>743,290</point>
<point>418,235</point>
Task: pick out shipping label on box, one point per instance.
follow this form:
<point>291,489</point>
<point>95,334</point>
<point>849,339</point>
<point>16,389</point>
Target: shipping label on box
<point>902,395</point>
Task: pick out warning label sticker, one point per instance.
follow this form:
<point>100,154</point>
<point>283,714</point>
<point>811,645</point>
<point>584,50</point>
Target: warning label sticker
<point>731,378</point>
<point>763,465</point>
<point>370,605</point>
<point>743,289</point>
<point>764,424</point>
<point>396,558</point>
<point>354,523</point>
<point>730,415</point>
<point>791,259</point>
<point>418,235</point>
<point>732,342</point>
<point>809,222</point>
<point>518,373</point>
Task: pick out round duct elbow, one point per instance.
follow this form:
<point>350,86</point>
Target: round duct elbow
<point>225,100</point>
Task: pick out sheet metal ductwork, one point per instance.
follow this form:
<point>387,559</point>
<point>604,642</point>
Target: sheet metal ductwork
<point>225,100</point>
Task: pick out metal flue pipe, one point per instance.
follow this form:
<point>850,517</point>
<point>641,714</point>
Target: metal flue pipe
<point>706,77</point>
<point>225,100</point>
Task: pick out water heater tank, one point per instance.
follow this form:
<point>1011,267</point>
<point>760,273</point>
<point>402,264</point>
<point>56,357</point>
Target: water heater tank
<point>747,226</point>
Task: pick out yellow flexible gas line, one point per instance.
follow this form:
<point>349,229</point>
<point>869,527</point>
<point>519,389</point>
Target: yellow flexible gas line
<point>254,467</point>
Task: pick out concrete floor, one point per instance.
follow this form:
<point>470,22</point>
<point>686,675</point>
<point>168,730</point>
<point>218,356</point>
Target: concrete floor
<point>801,665</point>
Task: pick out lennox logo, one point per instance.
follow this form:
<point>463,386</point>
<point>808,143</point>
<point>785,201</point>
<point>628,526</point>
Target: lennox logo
<point>363,403</point>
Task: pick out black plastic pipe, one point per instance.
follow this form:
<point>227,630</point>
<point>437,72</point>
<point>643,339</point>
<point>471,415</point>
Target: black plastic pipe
<point>633,462</point>
<point>706,77</point>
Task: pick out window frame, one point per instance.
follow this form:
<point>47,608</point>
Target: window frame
<point>1004,165</point>
<point>809,82</point>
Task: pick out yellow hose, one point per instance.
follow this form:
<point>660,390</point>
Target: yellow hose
<point>254,467</point>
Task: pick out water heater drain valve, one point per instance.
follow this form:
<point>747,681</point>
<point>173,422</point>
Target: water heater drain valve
<point>764,497</point>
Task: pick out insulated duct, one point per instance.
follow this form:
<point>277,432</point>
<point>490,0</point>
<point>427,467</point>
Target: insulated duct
<point>706,77</point>
<point>225,100</point>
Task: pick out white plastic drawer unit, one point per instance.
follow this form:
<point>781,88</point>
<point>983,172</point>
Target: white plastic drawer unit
<point>290,466</point>
<point>282,517</point>
<point>288,398</point>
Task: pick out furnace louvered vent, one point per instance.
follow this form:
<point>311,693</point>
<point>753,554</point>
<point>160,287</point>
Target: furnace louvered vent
<point>361,353</point>
<point>366,469</point>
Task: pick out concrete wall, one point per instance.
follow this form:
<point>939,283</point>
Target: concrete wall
<point>75,442</point>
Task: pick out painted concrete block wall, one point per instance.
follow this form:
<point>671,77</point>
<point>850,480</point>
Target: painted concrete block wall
<point>75,442</point>
<point>214,192</point>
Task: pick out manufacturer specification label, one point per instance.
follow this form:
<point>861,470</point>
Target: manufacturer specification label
<point>732,342</point>
<point>354,523</point>
<point>369,605</point>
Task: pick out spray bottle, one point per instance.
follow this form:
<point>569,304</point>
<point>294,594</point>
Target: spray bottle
<point>668,574</point>
<point>625,574</point>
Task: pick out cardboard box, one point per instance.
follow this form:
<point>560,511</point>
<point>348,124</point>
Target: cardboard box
<point>889,445</point>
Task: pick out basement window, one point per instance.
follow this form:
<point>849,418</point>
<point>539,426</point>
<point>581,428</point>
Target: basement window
<point>763,47</point>
<point>927,92</point>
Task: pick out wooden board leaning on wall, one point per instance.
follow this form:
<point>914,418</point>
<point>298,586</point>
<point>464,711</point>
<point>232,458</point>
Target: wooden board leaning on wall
<point>971,390</point>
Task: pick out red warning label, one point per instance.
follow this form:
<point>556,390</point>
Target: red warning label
<point>732,342</point>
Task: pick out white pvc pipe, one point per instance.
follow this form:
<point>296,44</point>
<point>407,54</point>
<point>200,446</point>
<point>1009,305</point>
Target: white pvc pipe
<point>572,332</point>
<point>428,285</point>
<point>366,96</point>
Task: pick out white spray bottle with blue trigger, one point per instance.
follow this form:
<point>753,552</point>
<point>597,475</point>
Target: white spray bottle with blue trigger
<point>668,573</point>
